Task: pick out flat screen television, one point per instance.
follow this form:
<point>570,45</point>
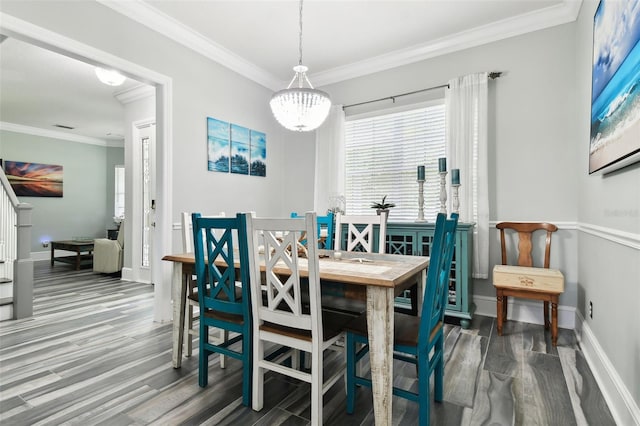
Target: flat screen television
<point>615,86</point>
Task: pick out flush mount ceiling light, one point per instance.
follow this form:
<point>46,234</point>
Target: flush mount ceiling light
<point>300,108</point>
<point>110,77</point>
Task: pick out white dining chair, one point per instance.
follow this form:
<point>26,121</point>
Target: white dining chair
<point>282,317</point>
<point>360,232</point>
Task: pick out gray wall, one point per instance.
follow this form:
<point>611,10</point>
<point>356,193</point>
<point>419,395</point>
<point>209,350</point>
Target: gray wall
<point>609,253</point>
<point>86,207</point>
<point>533,164</point>
<point>538,153</point>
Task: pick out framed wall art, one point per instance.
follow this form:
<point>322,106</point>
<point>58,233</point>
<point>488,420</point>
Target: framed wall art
<point>34,179</point>
<point>235,149</point>
<point>218,145</point>
<point>615,86</point>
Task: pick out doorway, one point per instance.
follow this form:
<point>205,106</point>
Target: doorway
<point>50,40</point>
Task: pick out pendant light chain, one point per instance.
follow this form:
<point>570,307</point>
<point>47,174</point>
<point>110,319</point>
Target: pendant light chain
<point>300,36</point>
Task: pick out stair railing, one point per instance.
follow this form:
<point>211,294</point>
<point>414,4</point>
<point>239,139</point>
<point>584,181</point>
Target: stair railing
<point>15,247</point>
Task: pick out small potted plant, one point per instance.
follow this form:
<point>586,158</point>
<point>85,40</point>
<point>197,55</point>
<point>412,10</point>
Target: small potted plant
<point>382,206</point>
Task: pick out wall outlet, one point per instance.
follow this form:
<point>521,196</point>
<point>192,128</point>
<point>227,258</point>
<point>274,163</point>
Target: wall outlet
<point>590,309</point>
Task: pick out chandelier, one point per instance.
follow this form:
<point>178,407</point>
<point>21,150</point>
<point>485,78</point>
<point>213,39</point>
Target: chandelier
<point>300,108</point>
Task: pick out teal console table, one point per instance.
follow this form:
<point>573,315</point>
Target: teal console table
<point>415,239</point>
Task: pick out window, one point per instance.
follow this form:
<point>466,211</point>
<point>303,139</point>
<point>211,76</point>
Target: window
<point>382,155</point>
<point>118,201</point>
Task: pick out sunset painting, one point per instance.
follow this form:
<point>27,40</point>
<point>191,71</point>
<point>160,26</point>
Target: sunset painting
<point>34,179</point>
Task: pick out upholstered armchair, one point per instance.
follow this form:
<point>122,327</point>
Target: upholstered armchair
<point>108,254</point>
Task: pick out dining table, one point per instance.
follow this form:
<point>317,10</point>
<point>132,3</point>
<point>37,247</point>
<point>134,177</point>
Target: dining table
<point>377,278</point>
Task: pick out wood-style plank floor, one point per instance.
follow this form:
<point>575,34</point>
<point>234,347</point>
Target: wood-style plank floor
<point>92,355</point>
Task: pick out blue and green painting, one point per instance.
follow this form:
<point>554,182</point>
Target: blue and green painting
<point>239,149</point>
<point>218,146</point>
<point>258,154</point>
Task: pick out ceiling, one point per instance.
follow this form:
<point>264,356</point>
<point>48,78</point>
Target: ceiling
<point>259,39</point>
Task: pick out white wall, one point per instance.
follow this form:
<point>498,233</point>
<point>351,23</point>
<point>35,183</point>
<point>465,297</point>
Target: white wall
<point>608,250</point>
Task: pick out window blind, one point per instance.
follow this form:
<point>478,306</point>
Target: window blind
<point>382,155</point>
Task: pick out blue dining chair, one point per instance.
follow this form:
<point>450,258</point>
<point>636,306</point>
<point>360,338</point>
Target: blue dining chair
<point>224,301</point>
<point>324,222</point>
<point>418,340</point>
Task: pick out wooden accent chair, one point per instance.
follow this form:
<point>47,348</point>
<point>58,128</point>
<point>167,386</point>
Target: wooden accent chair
<point>281,317</point>
<point>533,288</point>
<point>192,286</point>
<point>360,232</point>
<point>418,340</point>
<point>324,223</point>
<point>223,300</point>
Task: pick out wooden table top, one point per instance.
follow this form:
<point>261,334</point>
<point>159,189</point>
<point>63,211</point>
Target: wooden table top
<point>384,270</point>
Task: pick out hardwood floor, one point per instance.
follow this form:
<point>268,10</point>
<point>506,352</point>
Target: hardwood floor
<point>92,355</point>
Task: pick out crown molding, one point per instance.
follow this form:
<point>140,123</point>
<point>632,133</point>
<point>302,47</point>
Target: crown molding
<point>54,134</point>
<point>147,15</point>
<point>135,93</point>
<point>562,13</point>
<point>162,23</point>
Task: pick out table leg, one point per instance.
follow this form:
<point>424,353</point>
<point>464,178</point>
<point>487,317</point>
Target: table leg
<point>77,260</point>
<point>380,305</point>
<point>179,294</point>
<point>52,252</point>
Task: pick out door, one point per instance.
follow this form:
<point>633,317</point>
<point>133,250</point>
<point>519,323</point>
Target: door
<point>144,202</point>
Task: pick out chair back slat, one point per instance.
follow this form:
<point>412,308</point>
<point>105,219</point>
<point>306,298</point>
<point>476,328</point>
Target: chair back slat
<point>215,239</point>
<point>525,232</point>
<point>437,285</point>
<point>275,242</point>
<point>360,232</point>
<point>324,223</point>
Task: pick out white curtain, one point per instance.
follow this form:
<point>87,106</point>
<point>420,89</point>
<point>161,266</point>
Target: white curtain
<point>329,177</point>
<point>466,116</point>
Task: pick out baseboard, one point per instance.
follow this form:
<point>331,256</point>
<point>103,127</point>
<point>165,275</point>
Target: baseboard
<point>6,312</point>
<point>525,311</point>
<point>620,401</point>
<point>127,274</point>
<point>41,255</point>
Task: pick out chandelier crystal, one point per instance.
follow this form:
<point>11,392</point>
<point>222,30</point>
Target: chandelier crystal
<point>300,108</point>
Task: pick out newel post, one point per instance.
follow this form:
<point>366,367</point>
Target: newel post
<point>23,266</point>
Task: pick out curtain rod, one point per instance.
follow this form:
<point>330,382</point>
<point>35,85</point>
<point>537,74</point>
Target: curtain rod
<point>492,75</point>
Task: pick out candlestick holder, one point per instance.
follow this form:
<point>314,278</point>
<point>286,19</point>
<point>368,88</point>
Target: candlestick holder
<point>420,201</point>
<point>455,187</point>
<point>443,193</point>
